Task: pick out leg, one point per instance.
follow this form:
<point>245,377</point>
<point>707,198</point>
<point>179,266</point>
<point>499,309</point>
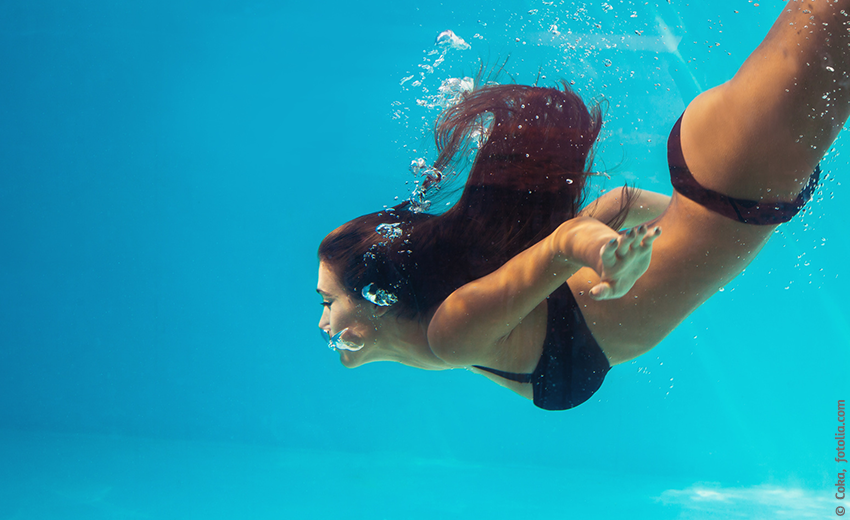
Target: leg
<point>758,137</point>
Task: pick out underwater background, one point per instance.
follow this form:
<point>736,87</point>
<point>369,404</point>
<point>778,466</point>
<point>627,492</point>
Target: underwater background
<point>167,170</point>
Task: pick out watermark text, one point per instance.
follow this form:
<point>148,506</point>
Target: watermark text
<point>840,458</point>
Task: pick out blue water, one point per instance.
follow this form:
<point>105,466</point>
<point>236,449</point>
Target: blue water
<point>167,170</point>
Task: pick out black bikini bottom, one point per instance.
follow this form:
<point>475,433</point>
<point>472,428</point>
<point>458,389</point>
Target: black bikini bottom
<point>742,210</point>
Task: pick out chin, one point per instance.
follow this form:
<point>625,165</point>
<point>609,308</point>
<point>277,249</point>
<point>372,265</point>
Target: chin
<point>350,359</point>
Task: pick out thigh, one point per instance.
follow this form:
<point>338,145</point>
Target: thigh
<point>760,135</point>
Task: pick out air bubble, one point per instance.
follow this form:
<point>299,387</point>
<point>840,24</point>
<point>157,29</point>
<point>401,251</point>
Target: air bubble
<point>416,165</point>
<point>451,92</point>
<point>336,343</point>
<point>389,231</point>
<point>379,297</point>
<point>450,39</point>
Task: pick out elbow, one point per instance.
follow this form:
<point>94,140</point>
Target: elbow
<point>645,207</point>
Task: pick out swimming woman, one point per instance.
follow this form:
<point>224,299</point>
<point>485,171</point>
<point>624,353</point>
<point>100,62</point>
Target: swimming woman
<point>522,284</point>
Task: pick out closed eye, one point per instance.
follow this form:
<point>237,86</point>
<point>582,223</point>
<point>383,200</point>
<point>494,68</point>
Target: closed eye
<point>326,304</point>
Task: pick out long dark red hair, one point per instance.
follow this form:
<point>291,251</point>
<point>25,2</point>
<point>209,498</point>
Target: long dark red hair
<point>527,178</point>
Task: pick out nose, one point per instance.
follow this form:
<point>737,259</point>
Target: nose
<point>325,323</point>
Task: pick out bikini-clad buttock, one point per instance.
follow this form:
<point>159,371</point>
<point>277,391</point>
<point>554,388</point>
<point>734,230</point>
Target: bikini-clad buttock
<point>742,210</point>
<point>707,239</point>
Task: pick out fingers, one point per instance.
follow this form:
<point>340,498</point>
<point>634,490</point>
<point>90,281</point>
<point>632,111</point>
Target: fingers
<point>601,291</point>
<point>650,236</point>
<point>633,239</point>
<point>624,260</point>
<point>609,251</point>
<point>625,240</point>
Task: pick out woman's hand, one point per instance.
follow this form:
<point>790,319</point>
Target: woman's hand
<point>622,261</point>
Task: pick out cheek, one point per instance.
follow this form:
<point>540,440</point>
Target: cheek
<point>338,317</point>
<point>351,317</point>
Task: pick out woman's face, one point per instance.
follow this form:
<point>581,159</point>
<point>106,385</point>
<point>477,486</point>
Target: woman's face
<point>340,312</point>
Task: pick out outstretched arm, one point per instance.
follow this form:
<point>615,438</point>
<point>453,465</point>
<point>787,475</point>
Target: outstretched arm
<point>471,324</point>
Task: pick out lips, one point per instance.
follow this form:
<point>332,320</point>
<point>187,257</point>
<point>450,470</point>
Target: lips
<point>336,343</point>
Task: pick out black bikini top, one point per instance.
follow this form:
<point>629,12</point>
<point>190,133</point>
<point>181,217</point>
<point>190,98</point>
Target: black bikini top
<point>572,366</point>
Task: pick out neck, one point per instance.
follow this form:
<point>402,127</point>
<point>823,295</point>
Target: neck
<point>403,341</point>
